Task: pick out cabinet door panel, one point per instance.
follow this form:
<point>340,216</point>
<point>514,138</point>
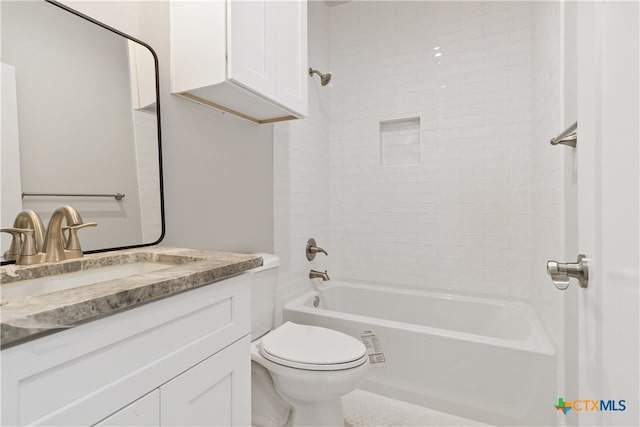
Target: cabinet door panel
<point>143,412</point>
<point>250,47</point>
<point>289,28</point>
<point>215,392</point>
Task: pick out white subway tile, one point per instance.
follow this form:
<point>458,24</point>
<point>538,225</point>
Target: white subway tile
<point>469,194</point>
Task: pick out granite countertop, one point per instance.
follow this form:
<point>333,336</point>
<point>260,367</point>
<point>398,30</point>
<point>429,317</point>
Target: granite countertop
<point>27,317</point>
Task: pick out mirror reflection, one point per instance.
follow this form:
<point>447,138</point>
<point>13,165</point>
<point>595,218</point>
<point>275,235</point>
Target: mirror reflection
<point>79,125</point>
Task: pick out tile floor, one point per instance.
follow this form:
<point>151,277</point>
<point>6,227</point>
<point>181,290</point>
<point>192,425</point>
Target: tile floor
<point>365,409</point>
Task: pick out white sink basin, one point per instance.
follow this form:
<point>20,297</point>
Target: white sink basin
<point>60,282</point>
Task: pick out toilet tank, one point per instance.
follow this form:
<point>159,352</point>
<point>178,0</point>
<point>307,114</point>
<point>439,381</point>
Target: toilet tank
<point>264,282</point>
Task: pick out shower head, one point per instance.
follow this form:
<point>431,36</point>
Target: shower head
<point>324,78</point>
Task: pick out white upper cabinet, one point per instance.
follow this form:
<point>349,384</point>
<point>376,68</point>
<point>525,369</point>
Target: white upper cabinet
<point>248,58</point>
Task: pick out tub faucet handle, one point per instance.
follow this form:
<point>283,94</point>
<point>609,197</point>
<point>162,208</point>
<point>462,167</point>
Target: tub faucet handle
<point>312,249</point>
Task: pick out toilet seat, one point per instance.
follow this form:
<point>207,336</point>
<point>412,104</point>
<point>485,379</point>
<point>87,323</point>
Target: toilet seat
<point>312,348</point>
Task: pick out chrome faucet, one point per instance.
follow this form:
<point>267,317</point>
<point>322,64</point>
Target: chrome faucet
<point>314,274</point>
<point>55,248</point>
<point>25,220</point>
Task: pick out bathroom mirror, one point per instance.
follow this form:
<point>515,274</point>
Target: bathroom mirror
<point>80,125</point>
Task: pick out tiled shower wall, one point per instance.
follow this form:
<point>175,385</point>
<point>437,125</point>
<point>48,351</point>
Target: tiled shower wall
<point>549,194</point>
<point>456,215</point>
<point>301,166</point>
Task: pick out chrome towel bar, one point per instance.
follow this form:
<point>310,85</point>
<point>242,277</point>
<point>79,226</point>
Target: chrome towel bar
<point>568,137</point>
<point>117,196</point>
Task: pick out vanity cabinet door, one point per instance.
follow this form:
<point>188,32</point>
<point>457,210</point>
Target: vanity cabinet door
<point>143,412</point>
<point>215,392</point>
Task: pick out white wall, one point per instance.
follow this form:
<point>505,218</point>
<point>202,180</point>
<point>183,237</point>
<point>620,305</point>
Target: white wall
<point>217,168</point>
<point>301,166</point>
<point>461,219</point>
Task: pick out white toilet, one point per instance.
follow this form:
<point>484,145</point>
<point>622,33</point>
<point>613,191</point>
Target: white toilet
<point>299,373</point>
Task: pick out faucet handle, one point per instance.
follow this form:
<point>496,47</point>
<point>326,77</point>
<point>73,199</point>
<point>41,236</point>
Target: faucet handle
<point>315,250</point>
<point>16,243</point>
<point>28,253</point>
<point>312,250</point>
<point>72,245</point>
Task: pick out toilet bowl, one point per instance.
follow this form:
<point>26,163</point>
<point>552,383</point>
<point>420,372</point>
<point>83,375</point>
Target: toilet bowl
<point>299,372</point>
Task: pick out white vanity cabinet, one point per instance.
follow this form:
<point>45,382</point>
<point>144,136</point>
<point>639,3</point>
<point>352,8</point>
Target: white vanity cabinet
<point>212,393</point>
<point>248,58</point>
<point>143,412</point>
<point>182,360</point>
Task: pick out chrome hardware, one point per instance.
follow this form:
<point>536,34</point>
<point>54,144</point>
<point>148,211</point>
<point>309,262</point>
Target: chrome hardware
<point>314,274</point>
<point>312,249</point>
<point>561,273</point>
<point>568,137</point>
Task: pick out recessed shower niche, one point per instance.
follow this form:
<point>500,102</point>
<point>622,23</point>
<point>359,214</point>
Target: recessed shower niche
<point>400,142</point>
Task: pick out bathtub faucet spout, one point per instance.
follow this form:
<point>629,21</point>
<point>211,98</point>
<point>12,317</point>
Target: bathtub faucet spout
<point>314,274</point>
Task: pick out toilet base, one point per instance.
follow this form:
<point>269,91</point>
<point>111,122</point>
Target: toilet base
<point>268,409</point>
<point>326,413</point>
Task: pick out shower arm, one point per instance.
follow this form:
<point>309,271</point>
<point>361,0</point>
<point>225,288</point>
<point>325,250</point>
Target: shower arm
<point>324,78</point>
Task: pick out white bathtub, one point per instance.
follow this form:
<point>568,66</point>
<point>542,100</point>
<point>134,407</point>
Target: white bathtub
<point>485,359</point>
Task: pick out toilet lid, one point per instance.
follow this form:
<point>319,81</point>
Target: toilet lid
<point>312,347</point>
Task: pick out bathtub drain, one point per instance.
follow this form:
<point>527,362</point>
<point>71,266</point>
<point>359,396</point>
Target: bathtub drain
<point>316,301</point>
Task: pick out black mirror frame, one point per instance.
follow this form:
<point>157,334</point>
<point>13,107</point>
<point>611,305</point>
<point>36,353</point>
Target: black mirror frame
<point>157,84</point>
